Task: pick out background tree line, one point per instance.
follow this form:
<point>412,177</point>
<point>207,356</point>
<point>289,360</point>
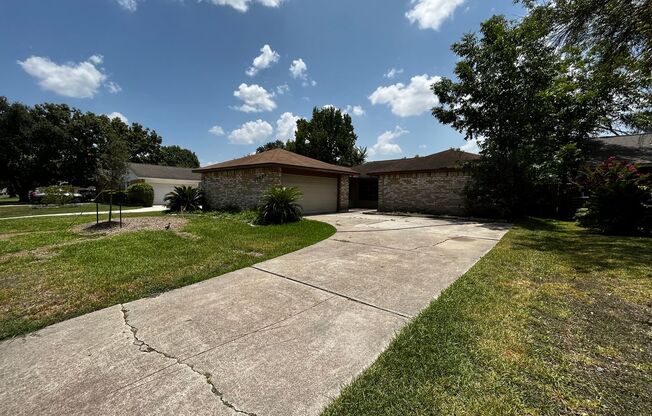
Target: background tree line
<point>49,143</point>
<point>534,91</point>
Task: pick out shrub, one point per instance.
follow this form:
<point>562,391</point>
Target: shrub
<point>279,205</point>
<point>619,201</point>
<point>184,199</point>
<point>141,193</point>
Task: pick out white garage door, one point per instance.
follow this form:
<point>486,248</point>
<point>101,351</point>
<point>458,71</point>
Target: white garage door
<point>162,189</point>
<point>319,193</point>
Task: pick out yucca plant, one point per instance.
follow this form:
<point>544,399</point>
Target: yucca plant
<point>279,205</point>
<point>184,199</point>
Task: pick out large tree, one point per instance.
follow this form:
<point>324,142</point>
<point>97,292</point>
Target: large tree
<point>329,136</point>
<point>143,144</point>
<point>51,143</point>
<point>531,106</point>
<point>176,156</point>
<point>617,36</point>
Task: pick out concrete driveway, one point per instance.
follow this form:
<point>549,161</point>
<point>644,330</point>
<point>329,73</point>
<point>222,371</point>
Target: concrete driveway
<point>279,338</point>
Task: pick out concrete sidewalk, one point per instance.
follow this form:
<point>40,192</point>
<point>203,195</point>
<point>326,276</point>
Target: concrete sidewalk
<point>155,208</point>
<point>279,338</point>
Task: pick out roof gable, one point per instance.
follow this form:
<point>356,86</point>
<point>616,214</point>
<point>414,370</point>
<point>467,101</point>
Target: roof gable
<point>277,157</point>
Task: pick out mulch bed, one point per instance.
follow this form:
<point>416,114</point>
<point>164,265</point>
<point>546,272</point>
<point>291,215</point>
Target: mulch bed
<point>173,224</point>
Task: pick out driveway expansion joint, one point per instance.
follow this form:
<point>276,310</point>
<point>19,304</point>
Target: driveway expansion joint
<point>146,348</point>
<point>338,294</point>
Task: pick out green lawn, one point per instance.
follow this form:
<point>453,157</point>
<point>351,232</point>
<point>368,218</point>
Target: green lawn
<point>49,272</point>
<point>553,321</point>
<point>5,200</point>
<point>10,210</point>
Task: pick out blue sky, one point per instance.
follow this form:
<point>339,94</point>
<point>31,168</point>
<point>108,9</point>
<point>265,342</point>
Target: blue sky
<point>199,73</point>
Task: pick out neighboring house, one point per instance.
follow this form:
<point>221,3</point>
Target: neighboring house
<point>240,183</point>
<point>635,148</point>
<point>162,178</point>
<point>429,184</point>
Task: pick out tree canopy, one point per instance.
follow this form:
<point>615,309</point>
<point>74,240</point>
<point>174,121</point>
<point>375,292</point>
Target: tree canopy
<point>176,156</point>
<point>50,143</point>
<point>616,36</point>
<point>532,106</point>
<point>329,136</point>
<point>277,144</point>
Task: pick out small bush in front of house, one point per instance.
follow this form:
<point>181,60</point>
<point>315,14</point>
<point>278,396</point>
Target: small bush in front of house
<point>141,193</point>
<point>619,201</point>
<point>184,199</point>
<point>279,206</point>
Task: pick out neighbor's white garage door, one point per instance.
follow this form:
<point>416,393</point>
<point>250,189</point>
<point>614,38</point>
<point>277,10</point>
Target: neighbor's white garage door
<point>319,193</point>
<point>162,189</point>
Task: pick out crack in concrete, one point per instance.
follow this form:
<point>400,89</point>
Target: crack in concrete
<point>268,327</point>
<point>332,292</point>
<point>369,245</point>
<point>146,348</point>
<point>405,228</point>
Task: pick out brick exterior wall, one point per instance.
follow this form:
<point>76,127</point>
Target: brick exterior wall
<point>428,192</point>
<point>238,188</point>
<point>343,193</point>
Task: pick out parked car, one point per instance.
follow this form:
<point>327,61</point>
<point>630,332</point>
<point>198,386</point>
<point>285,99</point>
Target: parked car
<point>88,194</point>
<point>37,196</point>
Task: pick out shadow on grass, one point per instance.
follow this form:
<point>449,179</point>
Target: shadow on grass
<point>583,249</point>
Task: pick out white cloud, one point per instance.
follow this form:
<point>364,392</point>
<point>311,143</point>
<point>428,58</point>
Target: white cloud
<point>117,115</point>
<point>299,69</point>
<point>77,80</point>
<point>393,72</point>
<point>283,89</point>
<point>286,126</point>
<point>243,5</point>
<point>385,143</point>
<point>96,59</point>
<point>129,5</point>
<point>430,14</point>
<point>113,87</point>
<point>255,98</point>
<point>471,146</point>
<point>216,131</point>
<point>251,132</point>
<point>423,146</point>
<point>411,100</point>
<point>356,110</point>
<point>267,58</point>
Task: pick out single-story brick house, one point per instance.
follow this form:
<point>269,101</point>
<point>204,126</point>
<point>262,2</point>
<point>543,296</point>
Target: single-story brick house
<point>162,178</point>
<point>240,183</point>
<point>430,184</point>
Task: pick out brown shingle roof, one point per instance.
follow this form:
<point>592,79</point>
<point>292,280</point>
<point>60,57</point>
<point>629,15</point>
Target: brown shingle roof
<point>636,148</point>
<point>163,172</point>
<point>278,157</point>
<point>448,159</point>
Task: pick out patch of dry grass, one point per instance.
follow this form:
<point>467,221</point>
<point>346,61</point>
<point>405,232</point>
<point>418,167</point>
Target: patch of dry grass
<point>51,270</point>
